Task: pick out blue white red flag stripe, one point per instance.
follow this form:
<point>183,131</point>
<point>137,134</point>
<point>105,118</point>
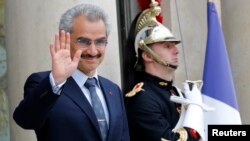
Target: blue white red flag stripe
<point>218,89</point>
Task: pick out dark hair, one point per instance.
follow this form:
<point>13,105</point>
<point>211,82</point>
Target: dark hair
<point>131,72</point>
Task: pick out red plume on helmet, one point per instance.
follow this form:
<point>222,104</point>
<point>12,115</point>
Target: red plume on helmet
<point>144,4</point>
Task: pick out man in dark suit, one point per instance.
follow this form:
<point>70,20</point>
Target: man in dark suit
<point>58,104</point>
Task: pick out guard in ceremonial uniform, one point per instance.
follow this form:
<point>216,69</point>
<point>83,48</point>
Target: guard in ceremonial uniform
<point>152,115</point>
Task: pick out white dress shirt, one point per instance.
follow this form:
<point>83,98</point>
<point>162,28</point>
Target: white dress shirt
<point>80,79</point>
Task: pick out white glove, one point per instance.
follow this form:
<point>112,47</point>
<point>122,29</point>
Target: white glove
<point>194,117</point>
<point>192,92</point>
<point>193,95</point>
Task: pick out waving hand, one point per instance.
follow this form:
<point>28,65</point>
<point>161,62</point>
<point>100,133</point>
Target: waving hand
<point>63,64</point>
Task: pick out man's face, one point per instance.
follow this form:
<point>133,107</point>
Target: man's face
<point>167,51</point>
<point>91,38</point>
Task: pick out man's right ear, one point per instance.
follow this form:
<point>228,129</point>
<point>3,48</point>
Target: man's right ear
<point>146,57</point>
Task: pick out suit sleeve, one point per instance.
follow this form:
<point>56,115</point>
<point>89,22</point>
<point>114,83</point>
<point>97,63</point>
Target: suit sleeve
<point>38,100</point>
<point>125,136</point>
<point>149,124</point>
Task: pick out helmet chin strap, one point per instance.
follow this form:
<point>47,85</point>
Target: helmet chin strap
<point>171,66</point>
<point>154,56</point>
<point>166,64</point>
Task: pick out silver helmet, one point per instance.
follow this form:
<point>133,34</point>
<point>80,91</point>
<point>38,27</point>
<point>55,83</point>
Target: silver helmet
<point>149,31</point>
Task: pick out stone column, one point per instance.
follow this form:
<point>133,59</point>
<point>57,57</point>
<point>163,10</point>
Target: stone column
<point>189,25</point>
<point>30,27</point>
<point>4,109</point>
<point>235,22</point>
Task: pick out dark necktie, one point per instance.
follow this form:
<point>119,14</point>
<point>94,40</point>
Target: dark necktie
<point>97,107</point>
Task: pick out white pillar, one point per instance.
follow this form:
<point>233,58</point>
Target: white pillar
<point>4,109</point>
<point>235,22</point>
<point>189,25</point>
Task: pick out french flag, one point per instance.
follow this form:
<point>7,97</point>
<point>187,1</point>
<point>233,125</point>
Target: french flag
<point>218,89</point>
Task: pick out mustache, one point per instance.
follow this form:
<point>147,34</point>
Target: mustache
<point>90,56</point>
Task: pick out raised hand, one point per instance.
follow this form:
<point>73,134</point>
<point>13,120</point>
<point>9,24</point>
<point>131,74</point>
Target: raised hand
<point>63,64</point>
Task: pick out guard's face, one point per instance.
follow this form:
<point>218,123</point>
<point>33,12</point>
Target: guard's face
<point>91,38</point>
<point>167,51</point>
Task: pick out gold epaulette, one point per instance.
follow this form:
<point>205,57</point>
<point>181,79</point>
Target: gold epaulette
<point>137,88</point>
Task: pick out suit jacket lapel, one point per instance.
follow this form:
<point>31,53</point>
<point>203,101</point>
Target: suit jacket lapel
<point>109,93</point>
<point>72,91</point>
